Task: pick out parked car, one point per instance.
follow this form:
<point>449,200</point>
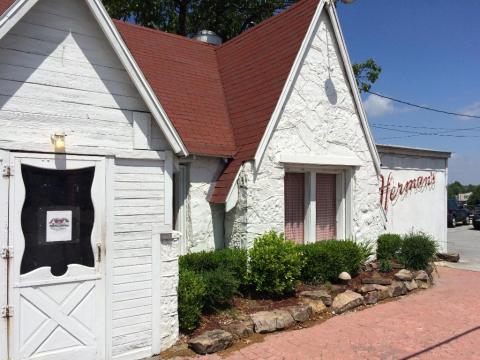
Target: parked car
<point>457,213</point>
<point>476,218</point>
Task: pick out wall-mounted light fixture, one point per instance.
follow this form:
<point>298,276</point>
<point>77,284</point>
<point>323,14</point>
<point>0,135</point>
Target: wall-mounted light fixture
<point>58,141</point>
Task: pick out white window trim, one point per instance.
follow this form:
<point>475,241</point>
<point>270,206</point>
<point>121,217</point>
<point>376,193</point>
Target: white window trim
<point>344,183</point>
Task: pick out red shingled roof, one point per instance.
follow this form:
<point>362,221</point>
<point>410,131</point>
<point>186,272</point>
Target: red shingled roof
<point>184,75</point>
<point>254,68</point>
<point>5,4</point>
<point>220,99</point>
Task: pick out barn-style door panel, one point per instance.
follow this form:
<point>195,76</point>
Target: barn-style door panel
<point>57,232</point>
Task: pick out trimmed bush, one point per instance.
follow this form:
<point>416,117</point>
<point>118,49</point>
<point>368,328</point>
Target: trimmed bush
<point>233,260</point>
<point>192,292</point>
<point>222,286</point>
<point>418,251</point>
<point>325,260</point>
<point>275,264</point>
<point>388,246</point>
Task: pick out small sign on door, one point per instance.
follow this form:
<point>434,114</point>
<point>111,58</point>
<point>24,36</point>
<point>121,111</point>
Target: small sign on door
<point>59,226</point>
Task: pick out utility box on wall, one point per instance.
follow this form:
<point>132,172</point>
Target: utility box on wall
<point>413,191</point>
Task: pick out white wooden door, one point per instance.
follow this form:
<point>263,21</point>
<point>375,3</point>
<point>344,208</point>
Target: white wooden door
<point>3,245</point>
<point>57,231</point>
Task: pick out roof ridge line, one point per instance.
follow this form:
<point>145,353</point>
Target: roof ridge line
<point>227,107</point>
<point>157,31</point>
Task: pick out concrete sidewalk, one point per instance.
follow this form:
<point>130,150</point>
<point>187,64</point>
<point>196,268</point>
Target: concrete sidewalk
<point>440,323</point>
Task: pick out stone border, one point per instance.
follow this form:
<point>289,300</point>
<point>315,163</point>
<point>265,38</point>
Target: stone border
<point>314,302</point>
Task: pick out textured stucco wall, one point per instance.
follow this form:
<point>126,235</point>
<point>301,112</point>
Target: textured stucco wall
<point>423,209</point>
<point>169,251</point>
<point>236,219</point>
<point>319,118</point>
<point>205,220</point>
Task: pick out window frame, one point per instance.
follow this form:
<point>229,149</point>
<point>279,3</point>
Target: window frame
<point>344,198</point>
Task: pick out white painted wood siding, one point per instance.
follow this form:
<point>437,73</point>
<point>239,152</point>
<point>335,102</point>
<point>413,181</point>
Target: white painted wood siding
<point>59,73</point>
<point>138,214</point>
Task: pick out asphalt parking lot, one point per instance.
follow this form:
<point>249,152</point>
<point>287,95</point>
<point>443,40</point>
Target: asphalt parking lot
<point>465,240</point>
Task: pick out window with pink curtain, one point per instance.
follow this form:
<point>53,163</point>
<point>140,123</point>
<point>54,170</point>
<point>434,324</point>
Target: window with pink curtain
<point>326,227</point>
<point>294,206</point>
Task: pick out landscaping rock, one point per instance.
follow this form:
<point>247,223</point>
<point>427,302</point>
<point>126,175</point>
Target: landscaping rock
<point>404,275</point>
<point>211,342</point>
<point>346,301</point>
<point>318,295</point>
<point>371,287</point>
<point>429,270</point>
<point>300,313</point>
<point>270,321</point>
<point>411,285</point>
<point>344,276</point>
<point>240,329</point>
<point>397,288</point>
<point>423,284</point>
<point>422,276</point>
<point>371,298</point>
<point>383,293</point>
<point>397,266</point>
<point>317,306</point>
<point>377,280</point>
<point>450,257</point>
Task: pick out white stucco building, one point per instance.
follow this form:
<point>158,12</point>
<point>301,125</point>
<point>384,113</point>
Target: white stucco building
<point>121,147</point>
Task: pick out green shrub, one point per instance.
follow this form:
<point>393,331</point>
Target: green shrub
<point>325,260</point>
<point>418,251</point>
<point>275,264</point>
<point>388,246</point>
<point>192,291</point>
<point>385,266</point>
<point>222,286</point>
<point>233,260</point>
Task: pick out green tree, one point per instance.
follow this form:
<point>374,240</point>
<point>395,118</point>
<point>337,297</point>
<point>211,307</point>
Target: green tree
<point>455,188</point>
<point>366,74</point>
<point>474,199</point>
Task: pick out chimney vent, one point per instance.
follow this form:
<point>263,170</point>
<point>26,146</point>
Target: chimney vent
<point>208,37</point>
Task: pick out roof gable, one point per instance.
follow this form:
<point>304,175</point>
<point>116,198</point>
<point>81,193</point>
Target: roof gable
<point>184,75</point>
<point>219,101</point>
<point>13,11</point>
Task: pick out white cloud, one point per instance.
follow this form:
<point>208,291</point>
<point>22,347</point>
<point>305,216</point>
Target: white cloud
<point>472,109</point>
<point>376,106</point>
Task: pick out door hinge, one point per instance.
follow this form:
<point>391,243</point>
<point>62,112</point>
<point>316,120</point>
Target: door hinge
<point>7,311</point>
<point>7,253</point>
<point>7,171</point>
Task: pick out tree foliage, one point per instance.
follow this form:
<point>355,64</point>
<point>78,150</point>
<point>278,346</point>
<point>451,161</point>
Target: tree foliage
<point>457,188</point>
<point>227,18</point>
<point>366,74</point>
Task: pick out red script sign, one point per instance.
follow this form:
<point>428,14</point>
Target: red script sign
<point>391,193</point>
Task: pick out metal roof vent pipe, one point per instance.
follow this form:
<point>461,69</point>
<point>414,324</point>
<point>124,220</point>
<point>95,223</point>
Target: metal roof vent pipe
<point>208,37</point>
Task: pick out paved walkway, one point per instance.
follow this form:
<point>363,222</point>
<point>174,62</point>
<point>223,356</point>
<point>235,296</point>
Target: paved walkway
<point>440,323</point>
<point>465,240</point>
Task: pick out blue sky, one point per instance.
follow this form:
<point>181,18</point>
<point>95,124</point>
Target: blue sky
<point>430,54</point>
